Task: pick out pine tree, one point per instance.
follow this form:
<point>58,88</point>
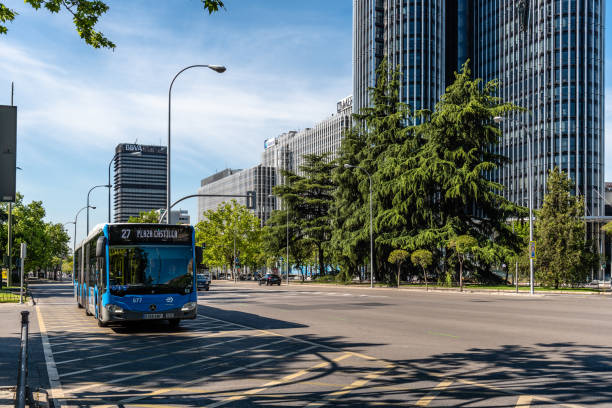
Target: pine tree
<point>309,198</point>
<point>375,144</point>
<point>560,232</point>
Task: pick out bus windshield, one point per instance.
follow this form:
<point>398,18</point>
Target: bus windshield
<point>150,269</point>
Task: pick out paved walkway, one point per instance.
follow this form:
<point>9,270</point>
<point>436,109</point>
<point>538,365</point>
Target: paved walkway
<point>10,338</point>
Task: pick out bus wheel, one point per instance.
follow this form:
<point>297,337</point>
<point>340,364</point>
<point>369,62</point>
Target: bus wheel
<point>101,323</point>
<point>79,305</point>
<point>174,323</point>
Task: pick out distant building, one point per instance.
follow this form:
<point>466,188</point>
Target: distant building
<point>180,217</point>
<point>140,180</point>
<point>260,179</point>
<point>287,151</point>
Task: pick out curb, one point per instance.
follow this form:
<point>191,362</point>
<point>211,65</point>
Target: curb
<point>499,292</point>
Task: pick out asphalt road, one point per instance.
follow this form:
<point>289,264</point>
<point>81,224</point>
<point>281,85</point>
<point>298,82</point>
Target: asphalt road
<point>255,346</point>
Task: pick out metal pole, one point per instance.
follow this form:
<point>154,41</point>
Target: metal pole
<point>9,279</point>
<point>22,378</point>
<point>371,240</point>
<point>216,68</point>
<point>88,206</point>
<point>22,273</point>
<point>530,176</point>
<point>109,188</point>
<point>287,204</point>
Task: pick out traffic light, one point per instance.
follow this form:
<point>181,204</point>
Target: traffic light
<point>251,201</point>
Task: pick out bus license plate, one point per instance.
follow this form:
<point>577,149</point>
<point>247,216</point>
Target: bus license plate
<point>154,316</point>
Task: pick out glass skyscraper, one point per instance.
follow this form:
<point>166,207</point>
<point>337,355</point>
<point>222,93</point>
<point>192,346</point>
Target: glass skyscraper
<point>547,54</point>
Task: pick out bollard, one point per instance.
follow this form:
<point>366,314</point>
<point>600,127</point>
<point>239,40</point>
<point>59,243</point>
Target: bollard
<point>22,376</point>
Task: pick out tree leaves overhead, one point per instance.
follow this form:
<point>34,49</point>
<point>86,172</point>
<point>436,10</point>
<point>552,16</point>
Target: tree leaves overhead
<point>85,15</point>
<point>213,5</point>
<point>145,217</point>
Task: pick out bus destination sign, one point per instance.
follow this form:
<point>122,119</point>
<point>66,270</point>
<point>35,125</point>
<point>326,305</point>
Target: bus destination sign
<point>148,233</point>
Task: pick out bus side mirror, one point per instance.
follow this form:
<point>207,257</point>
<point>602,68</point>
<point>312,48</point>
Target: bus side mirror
<point>198,255</point>
<point>101,247</point>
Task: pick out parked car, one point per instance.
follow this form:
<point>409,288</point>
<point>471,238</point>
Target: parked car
<point>203,281</point>
<point>270,279</point>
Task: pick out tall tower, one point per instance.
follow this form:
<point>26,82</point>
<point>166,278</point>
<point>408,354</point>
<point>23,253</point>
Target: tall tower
<point>412,35</point>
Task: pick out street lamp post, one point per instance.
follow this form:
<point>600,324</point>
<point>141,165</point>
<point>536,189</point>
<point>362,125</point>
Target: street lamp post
<point>350,166</point>
<point>500,119</point>
<point>88,206</point>
<point>217,68</point>
<point>10,240</point>
<point>93,207</point>
<point>287,207</point>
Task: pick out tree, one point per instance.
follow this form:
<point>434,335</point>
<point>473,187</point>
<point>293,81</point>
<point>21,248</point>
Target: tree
<point>560,233</point>
<point>607,228</point>
<point>146,217</point>
<point>376,143</point>
<point>47,243</point>
<point>230,224</point>
<point>310,198</point>
<point>85,15</point>
<point>422,258</point>
<point>463,245</point>
<point>398,257</point>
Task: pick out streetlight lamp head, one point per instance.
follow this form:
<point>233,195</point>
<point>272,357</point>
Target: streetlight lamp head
<point>348,166</point>
<point>218,68</point>
<point>498,119</point>
<point>93,207</point>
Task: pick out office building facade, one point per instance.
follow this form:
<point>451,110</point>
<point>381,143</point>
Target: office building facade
<point>140,180</point>
<point>260,179</point>
<point>547,55</point>
<point>287,151</point>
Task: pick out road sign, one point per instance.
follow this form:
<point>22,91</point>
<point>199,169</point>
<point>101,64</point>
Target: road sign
<point>532,249</point>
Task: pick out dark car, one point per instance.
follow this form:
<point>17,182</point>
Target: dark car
<point>270,279</point>
<point>203,281</point>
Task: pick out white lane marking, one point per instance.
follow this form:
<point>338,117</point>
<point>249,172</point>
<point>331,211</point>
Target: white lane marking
<point>190,334</point>
<point>56,391</point>
<point>154,356</point>
<point>161,370</point>
<point>222,373</point>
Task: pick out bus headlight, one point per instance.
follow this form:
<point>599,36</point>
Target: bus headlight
<point>188,307</point>
<point>114,309</point>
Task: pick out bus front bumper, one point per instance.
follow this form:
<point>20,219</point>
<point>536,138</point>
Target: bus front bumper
<point>131,315</point>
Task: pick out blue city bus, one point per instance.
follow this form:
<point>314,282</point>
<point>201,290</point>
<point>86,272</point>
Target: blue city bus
<point>131,272</point>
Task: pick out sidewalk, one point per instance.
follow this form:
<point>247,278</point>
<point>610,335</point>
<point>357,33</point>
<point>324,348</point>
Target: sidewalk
<point>466,290</point>
<point>10,340</point>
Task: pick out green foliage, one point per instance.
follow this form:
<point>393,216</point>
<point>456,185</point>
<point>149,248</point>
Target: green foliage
<point>213,5</point>
<point>85,15</point>
<point>431,175</point>
<point>607,228</point>
<point>376,144</point>
<point>145,217</point>
<point>560,230</point>
<point>398,256</point>
<point>422,258</point>
<point>463,245</point>
<point>309,198</point>
<point>231,223</point>
<point>47,242</point>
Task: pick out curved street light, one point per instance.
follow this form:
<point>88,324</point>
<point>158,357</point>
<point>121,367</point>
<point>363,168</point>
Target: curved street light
<point>93,207</point>
<point>87,206</point>
<point>217,68</point>
<point>350,166</point>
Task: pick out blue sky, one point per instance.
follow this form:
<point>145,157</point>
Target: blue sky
<point>288,63</point>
